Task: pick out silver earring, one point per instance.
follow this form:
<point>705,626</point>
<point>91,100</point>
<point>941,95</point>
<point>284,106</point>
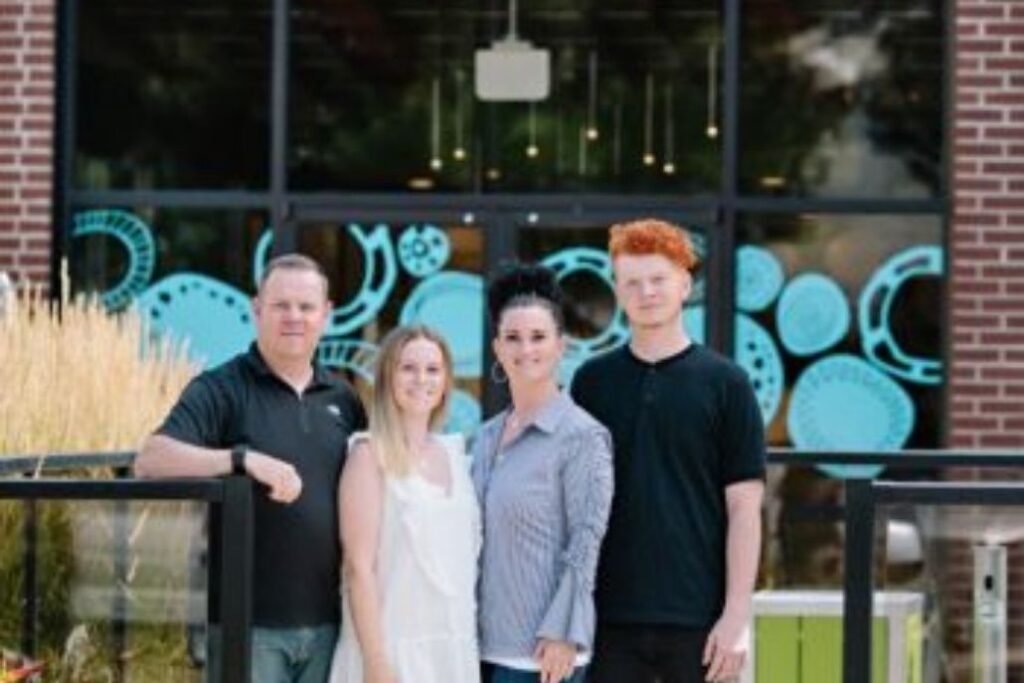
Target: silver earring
<point>498,375</point>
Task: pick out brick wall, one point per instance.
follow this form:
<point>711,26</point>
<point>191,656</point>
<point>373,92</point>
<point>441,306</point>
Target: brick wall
<point>27,76</point>
<point>987,261</point>
<point>986,380</point>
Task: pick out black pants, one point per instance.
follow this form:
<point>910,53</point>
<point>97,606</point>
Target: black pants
<point>647,654</point>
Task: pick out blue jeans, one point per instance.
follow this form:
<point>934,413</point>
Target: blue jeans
<point>499,674</point>
<point>293,655</point>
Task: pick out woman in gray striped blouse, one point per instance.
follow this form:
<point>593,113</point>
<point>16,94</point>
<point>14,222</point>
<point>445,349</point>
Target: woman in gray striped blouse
<point>543,471</point>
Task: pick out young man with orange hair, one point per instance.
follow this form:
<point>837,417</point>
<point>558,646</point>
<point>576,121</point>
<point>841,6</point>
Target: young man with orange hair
<point>679,561</point>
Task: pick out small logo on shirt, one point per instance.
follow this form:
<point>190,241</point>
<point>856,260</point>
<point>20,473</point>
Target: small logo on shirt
<point>334,410</point>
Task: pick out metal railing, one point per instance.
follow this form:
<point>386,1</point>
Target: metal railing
<point>230,569</point>
<point>229,572</point>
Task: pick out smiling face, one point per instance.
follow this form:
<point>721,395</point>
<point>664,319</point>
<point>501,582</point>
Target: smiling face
<point>420,378</point>
<point>529,345</point>
<point>651,289</point>
<point>291,311</point>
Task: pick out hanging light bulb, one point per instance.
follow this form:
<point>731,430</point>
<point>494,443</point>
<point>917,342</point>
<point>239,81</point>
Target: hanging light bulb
<point>592,133</point>
<point>712,128</point>
<point>649,120</point>
<point>532,150</point>
<point>435,125</point>
<point>669,167</point>
<point>459,152</point>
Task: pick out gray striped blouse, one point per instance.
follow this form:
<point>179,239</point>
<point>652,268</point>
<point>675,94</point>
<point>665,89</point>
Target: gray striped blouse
<point>545,498</point>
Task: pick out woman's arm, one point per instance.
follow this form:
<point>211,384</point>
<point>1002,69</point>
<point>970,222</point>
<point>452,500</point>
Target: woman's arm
<point>360,506</point>
<point>587,485</point>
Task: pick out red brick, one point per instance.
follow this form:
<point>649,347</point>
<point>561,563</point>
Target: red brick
<point>1004,29</point>
<point>1002,440</point>
<point>976,356</point>
<point>975,389</point>
<point>961,219</point>
<point>975,423</point>
<point>1004,271</point>
<point>982,253</point>
<point>1006,236</point>
<point>979,115</point>
<point>978,185</point>
<point>1003,133</point>
<point>975,287</point>
<point>975,46</point>
<point>1005,202</point>
<point>1008,98</point>
<point>975,150</point>
<point>1003,373</point>
<point>1006,338</point>
<point>1004,167</point>
<point>980,11</point>
<point>988,81</point>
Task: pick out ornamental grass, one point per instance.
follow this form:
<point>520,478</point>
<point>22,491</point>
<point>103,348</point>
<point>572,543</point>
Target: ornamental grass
<point>76,379</point>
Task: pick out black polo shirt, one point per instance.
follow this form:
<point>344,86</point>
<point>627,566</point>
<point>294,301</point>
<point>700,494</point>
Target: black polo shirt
<point>297,546</point>
<point>683,429</point>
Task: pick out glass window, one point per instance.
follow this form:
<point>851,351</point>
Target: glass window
<point>842,98</point>
<point>191,270</point>
<point>385,275</point>
<point>383,99</point>
<point>838,326</point>
<point>172,95</point>
<point>108,606</point>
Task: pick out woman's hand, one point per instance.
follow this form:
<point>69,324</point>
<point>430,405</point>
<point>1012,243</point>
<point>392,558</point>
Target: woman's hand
<point>557,659</point>
<point>377,670</point>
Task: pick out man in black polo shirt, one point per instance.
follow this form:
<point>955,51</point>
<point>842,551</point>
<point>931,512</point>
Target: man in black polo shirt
<point>278,416</point>
<point>679,561</point>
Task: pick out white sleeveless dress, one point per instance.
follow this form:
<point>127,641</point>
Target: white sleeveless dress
<point>426,580</point>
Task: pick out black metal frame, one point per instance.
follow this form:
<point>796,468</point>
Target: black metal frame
<point>229,576</point>
<point>285,208</point>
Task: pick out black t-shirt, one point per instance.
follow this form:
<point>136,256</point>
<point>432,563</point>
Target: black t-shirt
<point>297,550</point>
<point>683,429</point>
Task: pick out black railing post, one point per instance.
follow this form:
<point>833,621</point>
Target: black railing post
<point>858,561</point>
<point>119,616</point>
<point>234,580</point>
<point>29,577</point>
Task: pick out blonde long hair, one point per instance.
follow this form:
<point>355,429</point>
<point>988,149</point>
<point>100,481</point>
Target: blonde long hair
<point>386,430</point>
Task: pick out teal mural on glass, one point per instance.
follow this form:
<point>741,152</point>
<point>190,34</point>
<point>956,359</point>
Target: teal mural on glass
<point>813,314</point>
<point>137,240</point>
<point>839,401</point>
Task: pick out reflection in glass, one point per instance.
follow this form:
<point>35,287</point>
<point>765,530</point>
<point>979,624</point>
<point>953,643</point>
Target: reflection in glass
<point>394,84</point>
<point>862,370</point>
<point>384,275</point>
<point>842,98</point>
<point>954,556</point>
<point>173,95</point>
<point>191,271</point>
<point>122,589</point>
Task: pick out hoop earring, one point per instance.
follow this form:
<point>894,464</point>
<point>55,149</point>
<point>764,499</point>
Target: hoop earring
<point>498,375</point>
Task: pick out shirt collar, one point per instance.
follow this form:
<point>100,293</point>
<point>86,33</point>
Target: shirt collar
<point>321,375</point>
<point>551,413</point>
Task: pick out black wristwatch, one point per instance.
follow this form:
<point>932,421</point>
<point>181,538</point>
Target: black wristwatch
<point>238,453</point>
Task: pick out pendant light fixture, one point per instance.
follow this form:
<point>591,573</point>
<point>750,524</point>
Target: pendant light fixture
<point>532,150</point>
<point>435,125</point>
<point>669,167</point>
<point>712,127</point>
<point>649,120</point>
<point>592,131</point>
<point>459,152</point>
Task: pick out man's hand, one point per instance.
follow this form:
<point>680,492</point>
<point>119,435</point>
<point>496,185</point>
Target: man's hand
<point>726,649</point>
<point>284,482</point>
<point>557,659</point>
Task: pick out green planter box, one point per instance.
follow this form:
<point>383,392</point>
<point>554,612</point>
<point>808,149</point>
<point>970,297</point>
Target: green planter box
<point>798,638</point>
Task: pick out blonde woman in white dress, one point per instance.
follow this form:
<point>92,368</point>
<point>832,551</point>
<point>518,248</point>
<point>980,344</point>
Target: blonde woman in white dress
<point>410,529</point>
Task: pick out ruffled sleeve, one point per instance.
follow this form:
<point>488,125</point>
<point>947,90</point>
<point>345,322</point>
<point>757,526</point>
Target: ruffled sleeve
<point>587,485</point>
